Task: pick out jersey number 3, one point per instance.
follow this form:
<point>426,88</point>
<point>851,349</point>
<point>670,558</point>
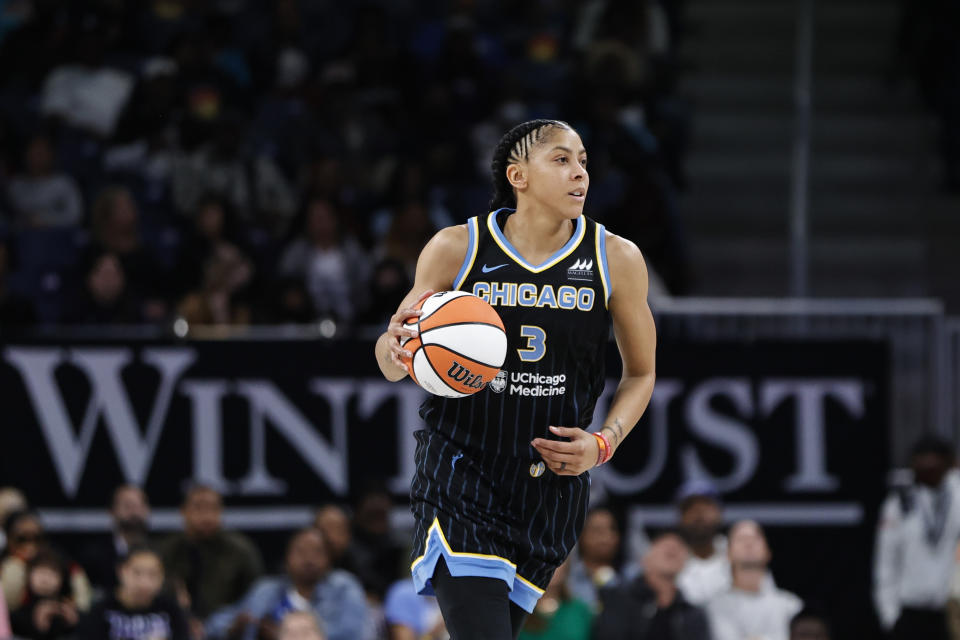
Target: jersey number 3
<point>536,343</point>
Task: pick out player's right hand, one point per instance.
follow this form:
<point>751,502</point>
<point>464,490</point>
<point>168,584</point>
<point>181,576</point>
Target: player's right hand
<point>397,331</point>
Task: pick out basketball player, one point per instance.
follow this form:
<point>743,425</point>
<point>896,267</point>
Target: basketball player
<point>501,487</point>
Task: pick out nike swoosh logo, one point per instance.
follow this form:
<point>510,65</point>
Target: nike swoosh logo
<point>455,458</point>
<point>487,269</point>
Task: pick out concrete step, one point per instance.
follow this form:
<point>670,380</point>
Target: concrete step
<point>759,132</point>
<point>846,93</point>
<point>828,214</point>
<point>851,56</point>
<point>741,11</point>
<point>760,54</point>
<point>835,213</point>
<point>874,134</point>
<point>737,90</point>
<point>868,173</point>
<point>854,266</point>
<point>739,166</point>
<point>766,132</point>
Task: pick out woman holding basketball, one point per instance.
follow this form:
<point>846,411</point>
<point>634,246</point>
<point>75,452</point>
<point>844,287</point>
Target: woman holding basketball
<point>501,491</point>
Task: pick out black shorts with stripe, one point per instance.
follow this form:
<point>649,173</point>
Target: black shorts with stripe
<point>494,516</point>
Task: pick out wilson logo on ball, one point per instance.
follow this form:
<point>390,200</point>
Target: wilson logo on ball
<point>461,374</point>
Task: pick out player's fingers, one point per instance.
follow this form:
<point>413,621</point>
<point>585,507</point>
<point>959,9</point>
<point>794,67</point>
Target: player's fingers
<point>556,458</point>
<point>426,294</point>
<point>400,363</point>
<point>399,351</point>
<point>397,327</point>
<point>562,469</point>
<point>567,432</point>
<point>403,315</point>
<point>397,330</point>
<point>554,445</point>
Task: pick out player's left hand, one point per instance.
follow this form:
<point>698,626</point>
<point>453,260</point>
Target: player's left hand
<point>569,458</point>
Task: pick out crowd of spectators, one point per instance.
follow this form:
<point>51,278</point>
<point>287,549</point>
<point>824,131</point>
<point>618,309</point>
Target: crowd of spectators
<point>346,577</point>
<point>241,161</point>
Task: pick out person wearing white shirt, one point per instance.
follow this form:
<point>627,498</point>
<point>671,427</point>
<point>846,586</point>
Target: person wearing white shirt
<point>707,571</point>
<point>41,196</point>
<point>916,544</point>
<point>751,609</point>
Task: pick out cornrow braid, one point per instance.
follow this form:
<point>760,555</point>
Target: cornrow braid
<point>514,147</point>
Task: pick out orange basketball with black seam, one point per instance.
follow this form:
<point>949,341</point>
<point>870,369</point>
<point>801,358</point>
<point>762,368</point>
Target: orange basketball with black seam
<point>460,347</point>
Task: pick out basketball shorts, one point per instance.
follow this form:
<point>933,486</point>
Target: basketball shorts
<point>492,516</point>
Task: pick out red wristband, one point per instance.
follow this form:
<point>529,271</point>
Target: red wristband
<point>606,451</point>
<point>601,449</point>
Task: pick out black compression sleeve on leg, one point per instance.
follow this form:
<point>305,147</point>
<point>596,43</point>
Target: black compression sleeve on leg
<point>517,617</point>
<point>473,608</point>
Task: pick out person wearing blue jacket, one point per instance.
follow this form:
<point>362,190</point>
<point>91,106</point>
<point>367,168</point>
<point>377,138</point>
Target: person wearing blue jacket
<point>310,584</point>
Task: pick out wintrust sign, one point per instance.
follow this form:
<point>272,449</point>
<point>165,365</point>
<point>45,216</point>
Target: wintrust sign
<point>304,422</point>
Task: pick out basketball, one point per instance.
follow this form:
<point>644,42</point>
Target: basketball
<point>460,347</point>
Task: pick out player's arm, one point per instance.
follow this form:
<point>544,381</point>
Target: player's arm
<point>637,340</point>
<point>636,336</point>
<point>437,267</point>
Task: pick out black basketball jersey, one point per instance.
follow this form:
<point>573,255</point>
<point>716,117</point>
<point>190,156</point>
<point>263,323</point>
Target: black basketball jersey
<point>557,324</point>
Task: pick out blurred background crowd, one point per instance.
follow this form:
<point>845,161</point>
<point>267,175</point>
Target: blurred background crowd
<point>346,576</point>
<point>239,162</point>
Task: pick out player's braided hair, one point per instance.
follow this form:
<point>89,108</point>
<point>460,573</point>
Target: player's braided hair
<point>513,147</point>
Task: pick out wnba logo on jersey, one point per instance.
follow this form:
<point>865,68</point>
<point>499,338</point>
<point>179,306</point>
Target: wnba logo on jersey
<point>461,374</point>
<point>582,269</point>
<point>499,383</point>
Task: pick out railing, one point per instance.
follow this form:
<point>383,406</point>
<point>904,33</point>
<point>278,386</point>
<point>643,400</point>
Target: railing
<point>800,155</point>
<point>950,379</point>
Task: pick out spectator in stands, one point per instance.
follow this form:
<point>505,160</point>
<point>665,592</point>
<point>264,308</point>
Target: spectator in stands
<point>220,299</point>
<point>380,556</point>
<point>41,196</point>
<point>310,584</point>
<point>410,229</point>
<point>85,93</point>
<point>916,544</point>
<point>808,625</point>
<point>652,606</point>
<point>253,185</point>
<point>595,564</point>
<point>11,499</point>
<point>287,302</point>
<point>115,227</point>
<point>5,632</point>
<point>130,516</point>
<point>209,567</point>
<point>332,263</point>
<point>136,609</point>
<point>751,607</point>
<point>388,284</point>
<point>301,625</point>
<point>558,615</point>
<point>707,570</point>
<point>106,296</point>
<point>25,540</point>
<point>15,310</point>
<point>410,616</point>
<point>212,225</point>
<point>334,523</point>
<point>49,611</point>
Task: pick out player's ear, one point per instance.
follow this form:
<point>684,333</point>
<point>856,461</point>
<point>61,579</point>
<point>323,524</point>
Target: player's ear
<point>516,176</point>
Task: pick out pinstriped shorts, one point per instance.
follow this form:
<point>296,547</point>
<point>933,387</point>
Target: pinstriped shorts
<point>492,516</point>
